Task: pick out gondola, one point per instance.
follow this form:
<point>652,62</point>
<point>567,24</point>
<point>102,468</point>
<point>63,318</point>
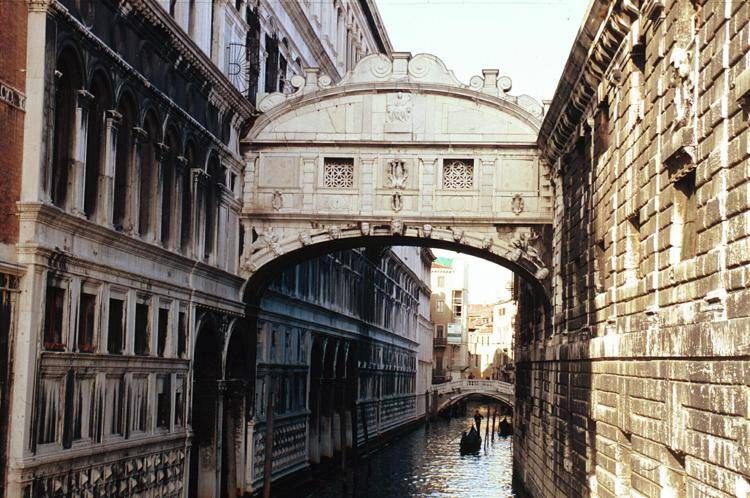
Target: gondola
<point>505,427</point>
<point>471,442</point>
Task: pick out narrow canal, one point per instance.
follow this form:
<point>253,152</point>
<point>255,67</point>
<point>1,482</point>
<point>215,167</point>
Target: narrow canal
<point>426,463</point>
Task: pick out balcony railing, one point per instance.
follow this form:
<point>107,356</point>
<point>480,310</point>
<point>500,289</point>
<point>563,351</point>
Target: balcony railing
<point>440,342</point>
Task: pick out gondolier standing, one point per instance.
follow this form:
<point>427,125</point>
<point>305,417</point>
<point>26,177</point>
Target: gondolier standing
<point>478,421</point>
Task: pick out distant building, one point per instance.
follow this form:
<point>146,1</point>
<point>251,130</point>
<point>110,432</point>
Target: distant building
<point>448,312</point>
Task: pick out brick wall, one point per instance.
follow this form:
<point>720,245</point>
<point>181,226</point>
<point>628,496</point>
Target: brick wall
<point>642,385</point>
<point>12,77</point>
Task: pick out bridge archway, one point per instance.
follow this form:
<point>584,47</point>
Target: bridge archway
<point>397,153</point>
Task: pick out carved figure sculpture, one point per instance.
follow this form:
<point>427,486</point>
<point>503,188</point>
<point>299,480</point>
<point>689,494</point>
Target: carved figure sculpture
<point>305,238</point>
<point>524,245</point>
<point>427,230</point>
<point>517,204</point>
<point>680,62</point>
<point>334,232</point>
<point>400,111</point>
<point>365,228</point>
<point>397,227</point>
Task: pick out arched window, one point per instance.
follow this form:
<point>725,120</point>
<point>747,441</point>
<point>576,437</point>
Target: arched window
<point>124,163</point>
<point>147,177</point>
<point>167,182</point>
<point>187,199</point>
<point>95,161</point>
<point>68,82</point>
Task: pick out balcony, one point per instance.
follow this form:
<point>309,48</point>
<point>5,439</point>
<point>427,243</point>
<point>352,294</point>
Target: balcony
<point>440,342</point>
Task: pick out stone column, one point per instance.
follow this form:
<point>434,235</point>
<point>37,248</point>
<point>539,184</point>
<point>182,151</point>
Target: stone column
<point>367,187</point>
<point>428,181</point>
<point>158,189</point>
<point>249,455</point>
<point>107,177</point>
<point>180,170</point>
<point>77,175</point>
<point>308,180</point>
<point>130,225</point>
<point>35,167</point>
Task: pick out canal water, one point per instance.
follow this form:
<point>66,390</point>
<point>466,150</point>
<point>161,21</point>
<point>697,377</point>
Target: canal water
<point>426,463</point>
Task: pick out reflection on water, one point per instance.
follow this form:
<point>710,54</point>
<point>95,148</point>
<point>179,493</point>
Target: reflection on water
<point>426,462</point>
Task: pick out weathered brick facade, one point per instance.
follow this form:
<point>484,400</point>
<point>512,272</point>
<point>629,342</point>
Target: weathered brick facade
<point>12,83</point>
<point>640,386</point>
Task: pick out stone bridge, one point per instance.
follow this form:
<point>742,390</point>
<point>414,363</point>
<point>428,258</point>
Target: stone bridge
<point>449,393</point>
<point>397,153</point>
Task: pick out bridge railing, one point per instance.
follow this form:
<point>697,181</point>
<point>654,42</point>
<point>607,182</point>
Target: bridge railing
<point>474,385</point>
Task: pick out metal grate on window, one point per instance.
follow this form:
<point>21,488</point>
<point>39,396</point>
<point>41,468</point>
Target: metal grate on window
<point>338,173</point>
<point>458,174</point>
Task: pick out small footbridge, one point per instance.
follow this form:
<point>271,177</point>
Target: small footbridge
<point>449,393</point>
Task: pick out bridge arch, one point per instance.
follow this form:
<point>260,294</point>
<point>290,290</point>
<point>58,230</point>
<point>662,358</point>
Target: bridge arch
<point>397,153</point>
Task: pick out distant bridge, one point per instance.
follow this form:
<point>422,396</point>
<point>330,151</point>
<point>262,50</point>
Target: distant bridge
<point>451,392</point>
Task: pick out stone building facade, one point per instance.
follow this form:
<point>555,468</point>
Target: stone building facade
<point>120,236</point>
<point>351,330</point>
<point>638,386</point>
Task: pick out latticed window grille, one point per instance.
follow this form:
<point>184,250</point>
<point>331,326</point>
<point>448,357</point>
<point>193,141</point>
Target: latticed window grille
<point>458,174</point>
<point>338,172</point>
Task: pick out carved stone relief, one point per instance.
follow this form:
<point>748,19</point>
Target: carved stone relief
<point>397,202</point>
<point>427,230</point>
<point>397,227</point>
<point>277,201</point>
<point>680,62</point>
<point>398,173</point>
<point>517,204</point>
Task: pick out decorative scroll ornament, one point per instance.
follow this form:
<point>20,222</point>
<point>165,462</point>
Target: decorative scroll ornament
<point>398,173</point>
<point>277,201</point>
<point>682,83</point>
<point>517,204</point>
<point>365,228</point>
<point>397,227</point>
<point>400,110</point>
<point>523,245</point>
<point>397,203</point>
<point>305,238</point>
<point>334,232</point>
<point>427,231</point>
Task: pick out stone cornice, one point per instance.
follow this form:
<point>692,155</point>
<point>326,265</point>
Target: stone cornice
<point>377,28</point>
<point>604,30</point>
<point>154,14</point>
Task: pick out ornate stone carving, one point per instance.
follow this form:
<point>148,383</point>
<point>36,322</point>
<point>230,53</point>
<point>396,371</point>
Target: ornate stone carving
<point>524,245</point>
<point>517,204</point>
<point>400,110</point>
<point>397,227</point>
<point>427,231</point>
<point>271,239</point>
<point>334,232</point>
<point>459,235</point>
<point>365,228</point>
<point>338,173</point>
<point>277,201</point>
<point>682,83</point>
<point>487,242</point>
<point>397,203</point>
<point>458,175</point>
<point>398,173</point>
<point>305,238</point>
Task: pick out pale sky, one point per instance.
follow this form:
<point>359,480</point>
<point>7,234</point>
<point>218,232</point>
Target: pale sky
<point>528,40</point>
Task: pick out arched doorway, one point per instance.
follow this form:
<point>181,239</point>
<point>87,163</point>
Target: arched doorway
<point>205,452</point>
